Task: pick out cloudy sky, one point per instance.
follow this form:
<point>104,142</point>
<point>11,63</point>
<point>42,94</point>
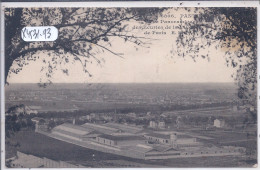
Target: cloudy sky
<point>145,65</point>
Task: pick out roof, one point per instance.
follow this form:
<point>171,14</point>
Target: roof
<point>67,133</point>
<point>184,136</point>
<point>140,148</point>
<point>162,148</point>
<point>100,128</point>
<point>158,135</point>
<point>125,128</point>
<point>73,129</point>
<point>121,137</point>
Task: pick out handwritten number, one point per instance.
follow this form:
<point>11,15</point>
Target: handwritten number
<point>36,33</point>
<point>49,32</point>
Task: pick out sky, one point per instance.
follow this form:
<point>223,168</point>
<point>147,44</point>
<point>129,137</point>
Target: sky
<point>146,65</point>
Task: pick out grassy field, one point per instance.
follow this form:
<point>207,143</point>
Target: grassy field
<point>43,146</point>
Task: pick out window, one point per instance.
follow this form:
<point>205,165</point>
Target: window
<point>166,141</point>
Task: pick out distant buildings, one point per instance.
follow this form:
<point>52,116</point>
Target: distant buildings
<point>161,125</point>
<point>41,125</point>
<point>22,109</point>
<point>155,124</point>
<point>219,123</point>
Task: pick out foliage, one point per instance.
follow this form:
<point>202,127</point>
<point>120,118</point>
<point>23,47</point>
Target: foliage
<point>232,30</point>
<point>83,33</point>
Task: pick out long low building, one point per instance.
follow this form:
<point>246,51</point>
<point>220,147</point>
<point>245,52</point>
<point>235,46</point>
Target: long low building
<point>176,140</point>
<point>115,140</point>
<point>120,140</point>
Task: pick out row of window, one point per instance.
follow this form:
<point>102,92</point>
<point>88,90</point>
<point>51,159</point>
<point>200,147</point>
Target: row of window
<point>158,140</point>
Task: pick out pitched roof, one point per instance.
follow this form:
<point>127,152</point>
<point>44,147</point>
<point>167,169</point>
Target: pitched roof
<point>100,128</point>
<point>158,135</point>
<point>73,129</point>
<point>125,128</point>
<point>140,148</point>
<point>122,137</point>
<point>162,148</point>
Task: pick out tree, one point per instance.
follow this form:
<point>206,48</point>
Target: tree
<point>83,33</point>
<point>51,124</point>
<point>233,30</point>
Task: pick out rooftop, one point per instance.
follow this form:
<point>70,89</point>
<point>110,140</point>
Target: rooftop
<point>162,148</point>
<point>100,128</point>
<point>79,130</point>
<point>121,137</point>
<point>125,128</point>
<point>158,135</point>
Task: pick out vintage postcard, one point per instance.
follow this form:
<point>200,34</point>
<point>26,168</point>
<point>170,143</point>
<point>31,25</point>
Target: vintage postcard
<point>117,85</point>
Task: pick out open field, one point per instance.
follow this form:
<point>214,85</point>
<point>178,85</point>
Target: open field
<point>43,146</point>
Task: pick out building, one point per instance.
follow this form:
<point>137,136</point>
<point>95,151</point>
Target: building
<point>132,114</point>
<point>161,125</point>
<point>126,141</point>
<point>158,138</point>
<point>120,141</point>
<point>219,123</point>
<point>24,160</point>
<point>40,125</point>
<point>175,140</point>
<point>74,132</point>
<point>152,124</point>
<point>32,109</point>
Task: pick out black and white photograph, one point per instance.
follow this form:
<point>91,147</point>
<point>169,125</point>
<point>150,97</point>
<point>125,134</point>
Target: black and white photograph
<point>130,87</point>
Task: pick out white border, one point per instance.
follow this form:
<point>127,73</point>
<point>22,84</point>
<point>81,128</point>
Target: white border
<point>136,4</point>
<point>120,4</point>
<point>2,105</point>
